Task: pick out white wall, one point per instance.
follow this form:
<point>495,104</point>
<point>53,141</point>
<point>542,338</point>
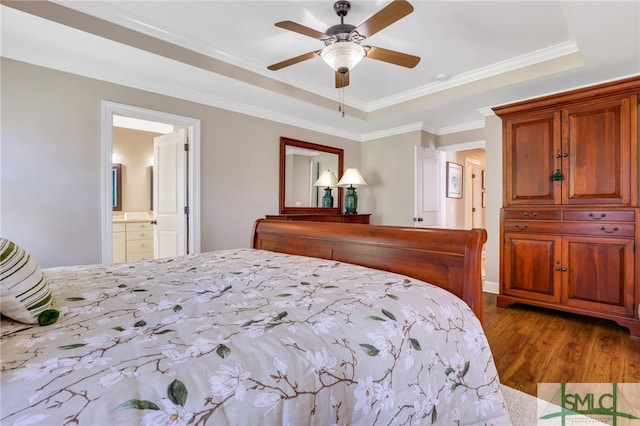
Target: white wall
<point>50,172</point>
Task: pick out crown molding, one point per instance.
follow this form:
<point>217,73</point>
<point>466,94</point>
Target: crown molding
<point>535,57</point>
<point>391,132</point>
<point>461,127</point>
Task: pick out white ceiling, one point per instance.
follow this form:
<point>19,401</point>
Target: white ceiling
<point>216,53</point>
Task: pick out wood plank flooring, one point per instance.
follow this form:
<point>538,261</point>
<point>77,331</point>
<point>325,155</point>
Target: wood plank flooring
<point>535,345</point>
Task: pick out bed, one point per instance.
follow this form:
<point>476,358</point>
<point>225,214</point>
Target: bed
<point>315,324</point>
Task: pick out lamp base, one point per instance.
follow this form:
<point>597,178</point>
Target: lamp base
<point>327,198</point>
<point>351,201</point>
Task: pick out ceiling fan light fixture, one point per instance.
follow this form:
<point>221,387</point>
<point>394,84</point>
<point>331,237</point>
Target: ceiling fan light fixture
<point>342,56</point>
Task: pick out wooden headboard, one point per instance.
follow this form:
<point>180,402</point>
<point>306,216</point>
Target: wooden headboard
<point>448,258</point>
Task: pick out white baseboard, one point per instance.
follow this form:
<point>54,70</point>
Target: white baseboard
<point>491,287</point>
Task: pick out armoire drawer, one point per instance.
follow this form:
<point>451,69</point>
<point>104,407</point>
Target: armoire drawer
<point>600,215</point>
<point>602,229</point>
<point>532,214</point>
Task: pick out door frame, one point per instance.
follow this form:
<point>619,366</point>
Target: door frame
<point>109,109</point>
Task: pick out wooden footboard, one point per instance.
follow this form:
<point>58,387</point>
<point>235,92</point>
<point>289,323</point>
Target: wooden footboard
<point>448,258</point>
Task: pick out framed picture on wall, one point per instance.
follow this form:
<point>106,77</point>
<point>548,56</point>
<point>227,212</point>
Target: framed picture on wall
<point>454,180</point>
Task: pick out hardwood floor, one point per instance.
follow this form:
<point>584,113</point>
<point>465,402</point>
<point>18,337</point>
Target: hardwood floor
<point>535,345</point>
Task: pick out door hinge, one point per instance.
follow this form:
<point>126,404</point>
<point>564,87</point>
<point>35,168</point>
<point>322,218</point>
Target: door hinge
<point>186,210</point>
<point>186,147</point>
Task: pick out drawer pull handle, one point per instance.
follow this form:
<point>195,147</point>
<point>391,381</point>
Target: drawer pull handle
<point>615,228</point>
<point>525,226</point>
<point>526,214</point>
<point>602,216</point>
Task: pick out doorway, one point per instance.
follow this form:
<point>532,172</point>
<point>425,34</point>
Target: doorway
<point>192,127</point>
<point>473,217</point>
<point>467,219</point>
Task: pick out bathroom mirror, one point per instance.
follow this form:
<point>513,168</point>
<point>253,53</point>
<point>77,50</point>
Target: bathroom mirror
<point>301,164</point>
<point>116,187</point>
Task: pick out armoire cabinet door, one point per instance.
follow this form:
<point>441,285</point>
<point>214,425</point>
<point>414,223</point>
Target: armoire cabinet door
<point>531,267</point>
<point>595,153</point>
<point>599,274</point>
<point>532,145</point>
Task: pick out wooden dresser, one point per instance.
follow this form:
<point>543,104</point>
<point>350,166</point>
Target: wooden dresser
<point>569,232</point>
<point>320,217</point>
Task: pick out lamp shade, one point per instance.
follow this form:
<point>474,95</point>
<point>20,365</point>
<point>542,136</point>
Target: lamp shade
<point>342,56</point>
<point>327,179</point>
<point>351,177</point>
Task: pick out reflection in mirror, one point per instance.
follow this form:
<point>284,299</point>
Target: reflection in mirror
<point>301,166</point>
<point>116,187</point>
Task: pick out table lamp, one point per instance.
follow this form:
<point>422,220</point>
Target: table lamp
<point>351,177</point>
<point>327,179</point>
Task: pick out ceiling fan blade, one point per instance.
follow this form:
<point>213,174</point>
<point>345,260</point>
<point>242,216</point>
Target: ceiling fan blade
<point>342,79</point>
<point>301,29</point>
<point>293,61</point>
<point>386,16</point>
<point>391,56</point>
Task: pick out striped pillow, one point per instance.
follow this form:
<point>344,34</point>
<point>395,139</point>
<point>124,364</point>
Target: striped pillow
<point>24,291</point>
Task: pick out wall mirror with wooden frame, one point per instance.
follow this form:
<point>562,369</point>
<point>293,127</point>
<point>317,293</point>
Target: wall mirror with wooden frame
<point>301,164</point>
<point>116,187</point>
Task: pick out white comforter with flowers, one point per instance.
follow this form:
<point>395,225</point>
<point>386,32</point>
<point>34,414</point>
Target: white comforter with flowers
<point>248,337</point>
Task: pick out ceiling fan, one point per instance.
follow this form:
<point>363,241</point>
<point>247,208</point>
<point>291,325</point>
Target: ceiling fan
<point>343,49</point>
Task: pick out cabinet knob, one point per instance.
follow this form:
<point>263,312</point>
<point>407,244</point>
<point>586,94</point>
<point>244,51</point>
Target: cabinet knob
<point>526,214</point>
<point>557,176</point>
<point>518,226</point>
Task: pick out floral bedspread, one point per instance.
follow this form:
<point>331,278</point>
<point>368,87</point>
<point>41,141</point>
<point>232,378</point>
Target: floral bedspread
<point>248,337</point>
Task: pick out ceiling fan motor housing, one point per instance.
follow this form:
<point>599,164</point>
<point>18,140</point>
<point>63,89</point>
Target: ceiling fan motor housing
<point>342,7</point>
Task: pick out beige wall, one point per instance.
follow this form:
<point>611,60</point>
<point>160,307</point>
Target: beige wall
<point>50,174</point>
<point>493,152</point>
<point>50,163</point>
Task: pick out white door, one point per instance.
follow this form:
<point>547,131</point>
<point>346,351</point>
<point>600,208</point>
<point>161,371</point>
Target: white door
<point>429,184</point>
<point>170,194</point>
